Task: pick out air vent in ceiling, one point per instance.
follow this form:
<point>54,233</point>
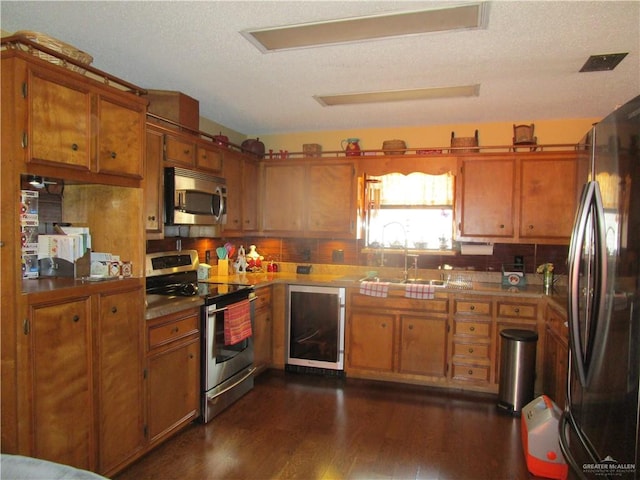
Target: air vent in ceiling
<point>464,16</point>
<point>601,63</point>
<point>398,95</point>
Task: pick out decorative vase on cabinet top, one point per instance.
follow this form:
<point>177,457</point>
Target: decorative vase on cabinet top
<point>351,147</point>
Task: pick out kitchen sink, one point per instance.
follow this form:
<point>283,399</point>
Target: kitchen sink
<point>419,281</point>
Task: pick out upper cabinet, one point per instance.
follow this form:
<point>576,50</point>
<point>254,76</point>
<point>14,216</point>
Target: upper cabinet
<point>517,198</point>
<point>94,132</point>
<point>242,174</point>
<point>314,198</point>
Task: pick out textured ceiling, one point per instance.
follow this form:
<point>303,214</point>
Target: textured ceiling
<point>526,60</point>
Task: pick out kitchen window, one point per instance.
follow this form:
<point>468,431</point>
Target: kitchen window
<point>413,211</point>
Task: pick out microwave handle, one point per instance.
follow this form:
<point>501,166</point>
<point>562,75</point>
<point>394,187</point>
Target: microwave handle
<point>220,195</point>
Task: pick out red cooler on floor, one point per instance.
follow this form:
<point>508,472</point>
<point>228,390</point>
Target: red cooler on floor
<point>539,429</point>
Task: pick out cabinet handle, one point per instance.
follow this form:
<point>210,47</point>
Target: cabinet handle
<point>152,218</point>
<point>530,227</point>
<point>175,330</point>
<point>74,147</point>
<point>76,318</point>
<point>471,350</point>
<point>114,309</point>
<point>517,310</point>
<point>187,152</point>
<point>470,372</point>
<point>384,325</point>
<point>502,225</point>
<point>113,155</point>
<point>472,329</point>
<point>472,307</point>
<point>410,327</point>
<point>191,355</point>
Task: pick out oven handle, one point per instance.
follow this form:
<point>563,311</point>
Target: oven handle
<point>235,384</point>
<point>217,310</point>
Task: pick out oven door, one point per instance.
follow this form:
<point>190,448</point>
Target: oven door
<point>223,361</point>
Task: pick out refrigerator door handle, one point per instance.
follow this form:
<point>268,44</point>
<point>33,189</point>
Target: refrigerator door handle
<point>590,215</point>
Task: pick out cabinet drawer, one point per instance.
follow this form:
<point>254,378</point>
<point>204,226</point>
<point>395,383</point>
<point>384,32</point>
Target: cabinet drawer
<point>168,332</point>
<point>180,151</point>
<point>475,351</point>
<point>208,159</point>
<point>473,307</point>
<point>476,329</point>
<point>476,373</point>
<point>517,310</point>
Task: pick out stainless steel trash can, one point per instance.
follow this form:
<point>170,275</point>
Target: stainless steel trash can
<point>517,369</point>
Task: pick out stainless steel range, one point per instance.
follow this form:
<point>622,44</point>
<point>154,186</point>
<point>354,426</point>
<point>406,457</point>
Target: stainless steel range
<point>227,364</point>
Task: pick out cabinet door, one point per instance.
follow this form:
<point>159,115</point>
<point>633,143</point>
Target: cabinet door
<point>173,388</point>
<point>283,201</point>
<point>235,185</point>
<point>250,187</point>
<point>548,195</point>
<point>61,389</point>
<point>331,199</point>
<point>370,340</point>
<point>119,357</point>
<point>485,207</point>
<point>423,345</point>
<point>262,333</point>
<point>208,158</point>
<point>180,151</point>
<point>154,185</point>
<point>120,139</point>
<point>60,121</point>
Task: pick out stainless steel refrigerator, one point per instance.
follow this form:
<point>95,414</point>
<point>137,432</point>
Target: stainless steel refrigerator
<point>599,427</point>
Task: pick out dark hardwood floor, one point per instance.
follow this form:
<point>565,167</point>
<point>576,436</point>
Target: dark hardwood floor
<point>310,427</point>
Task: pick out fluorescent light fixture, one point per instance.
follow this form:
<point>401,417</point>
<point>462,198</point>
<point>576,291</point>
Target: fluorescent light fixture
<point>398,95</point>
<point>463,16</point>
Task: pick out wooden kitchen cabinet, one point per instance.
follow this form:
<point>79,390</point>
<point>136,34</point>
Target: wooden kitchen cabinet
<point>396,337</point>
<point>74,122</point>
<point>180,150</point>
<point>549,195</point>
<point>119,378</point>
<point>60,385</point>
<point>517,198</point>
<point>556,356</point>
<point>471,354</point>
<point>243,181</point>
<point>173,357</point>
<point>154,185</point>
<point>263,329</point>
<point>208,157</point>
<point>486,200</point>
<point>309,198</point>
<point>283,198</point>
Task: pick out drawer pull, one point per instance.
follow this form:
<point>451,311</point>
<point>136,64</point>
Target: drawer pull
<point>384,325</point>
<point>113,155</point>
<point>471,350</point>
<point>470,372</point>
<point>114,309</point>
<point>76,318</point>
<point>472,329</point>
<point>410,327</point>
<point>74,147</point>
<point>517,310</point>
<point>472,307</point>
<point>175,330</point>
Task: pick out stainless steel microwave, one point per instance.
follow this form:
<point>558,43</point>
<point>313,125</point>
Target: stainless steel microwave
<point>194,198</point>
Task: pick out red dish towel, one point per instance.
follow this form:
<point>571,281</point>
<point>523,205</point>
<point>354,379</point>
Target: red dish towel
<point>416,290</point>
<point>237,322</point>
<point>374,289</point>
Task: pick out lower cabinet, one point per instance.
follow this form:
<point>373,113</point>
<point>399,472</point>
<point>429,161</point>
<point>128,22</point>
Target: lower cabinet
<point>556,356</point>
<point>396,337</point>
<point>173,362</point>
<point>84,378</point>
<point>263,330</point>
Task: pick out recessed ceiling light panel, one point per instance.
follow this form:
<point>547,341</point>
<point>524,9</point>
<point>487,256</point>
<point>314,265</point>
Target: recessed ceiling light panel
<point>601,63</point>
<point>465,16</point>
<point>398,95</point>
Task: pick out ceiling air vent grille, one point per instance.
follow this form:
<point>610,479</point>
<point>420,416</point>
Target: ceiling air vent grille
<point>601,63</point>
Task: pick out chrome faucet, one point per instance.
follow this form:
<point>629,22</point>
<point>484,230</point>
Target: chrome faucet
<point>405,273</point>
